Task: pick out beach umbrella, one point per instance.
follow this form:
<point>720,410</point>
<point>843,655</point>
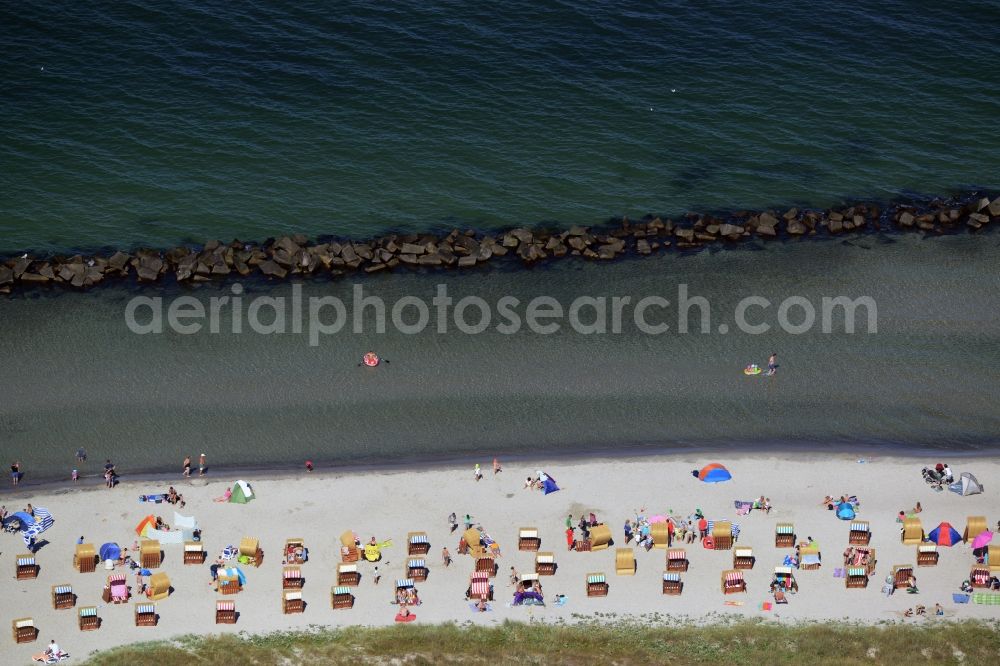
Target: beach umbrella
<point>110,551</point>
<point>657,519</point>
<point>712,473</point>
<point>944,535</point>
<point>43,521</point>
<point>24,519</point>
<point>982,539</point>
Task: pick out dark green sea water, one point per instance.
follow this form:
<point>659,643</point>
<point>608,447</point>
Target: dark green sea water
<point>154,123</point>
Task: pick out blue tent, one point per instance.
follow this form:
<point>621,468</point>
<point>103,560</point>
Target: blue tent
<point>25,519</point>
<point>110,551</point>
<point>549,486</point>
<point>845,511</point>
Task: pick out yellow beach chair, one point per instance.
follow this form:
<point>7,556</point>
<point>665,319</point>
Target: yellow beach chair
<point>974,526</point>
<point>913,531</point>
<point>624,562</point>
<point>85,558</point>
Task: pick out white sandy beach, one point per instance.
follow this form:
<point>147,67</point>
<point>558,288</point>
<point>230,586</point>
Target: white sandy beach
<point>387,505</point>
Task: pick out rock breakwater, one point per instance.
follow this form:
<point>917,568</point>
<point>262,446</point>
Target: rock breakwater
<point>297,255</point>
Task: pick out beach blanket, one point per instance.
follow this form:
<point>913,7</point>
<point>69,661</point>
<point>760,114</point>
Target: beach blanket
<point>742,508</point>
<point>561,600</point>
<point>489,608</point>
<point>809,558</point>
<point>960,598</point>
<point>988,598</point>
<point>839,573</point>
<point>157,498</point>
<point>732,603</point>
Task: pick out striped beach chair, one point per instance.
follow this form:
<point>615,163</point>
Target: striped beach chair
<point>116,589</point>
<point>225,612</point>
<point>27,568</point>
<point>597,585</point>
<point>417,543</point>
<point>417,569</point>
<point>672,583</point>
<point>528,539</point>
<point>487,564</point>
<point>979,576</point>
<point>87,618</point>
<point>194,552</point>
<point>901,575</point>
<point>63,597</point>
<point>860,534</point>
<point>403,583</point>
<point>733,582</point>
<point>145,615</point>
<point>857,577</point>
<point>341,597</point>
<point>677,559</point>
<point>784,578</point>
<point>784,535</point>
<point>479,589</point>
<point>291,578</point>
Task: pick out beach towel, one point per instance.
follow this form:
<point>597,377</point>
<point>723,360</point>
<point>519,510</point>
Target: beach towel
<point>157,498</point>
<point>988,598</point>
<point>405,618</point>
<point>765,606</point>
<point>839,573</point>
<point>742,507</point>
<point>561,601</point>
<point>489,608</point>
<point>960,598</point>
<point>809,558</point>
<point>732,603</point>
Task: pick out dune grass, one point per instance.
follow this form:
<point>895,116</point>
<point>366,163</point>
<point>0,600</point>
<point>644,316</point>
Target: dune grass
<point>592,641</point>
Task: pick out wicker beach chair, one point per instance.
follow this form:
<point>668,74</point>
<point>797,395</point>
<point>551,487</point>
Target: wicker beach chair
<point>341,597</point>
<point>927,555</point>
<point>87,618</point>
<point>677,559</point>
<point>150,554</point>
<point>24,630</point>
<point>291,578</point>
<point>528,539</point>
<point>597,585</point>
<point>867,561</point>
<point>85,558</point>
<point>145,615</point>
<point>979,576</point>
<point>974,526</point>
<point>600,537</point>
<point>194,553</point>
<point>913,531</point>
<point>993,558</point>
<point>348,548</point>
<point>25,567</point>
<point>347,574</point>
<point>116,590</point>
<point>809,558</point>
<point>901,575</point>
<point>660,532</point>
<point>228,584</point>
<point>159,586</point>
<point>857,577</point>
<point>63,597</point>
<point>479,588</point>
<point>417,543</point>
<point>784,535</point>
<point>416,569</point>
<point>624,562</point>
<point>292,602</point>
<point>722,535</point>
<point>487,565</point>
<point>545,564</point>
<point>733,582</point>
<point>225,612</point>
<point>743,557</point>
<point>860,534</point>
<point>784,578</point>
<point>672,583</point>
<point>295,551</point>
<point>250,547</point>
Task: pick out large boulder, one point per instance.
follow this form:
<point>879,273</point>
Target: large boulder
<point>272,269</point>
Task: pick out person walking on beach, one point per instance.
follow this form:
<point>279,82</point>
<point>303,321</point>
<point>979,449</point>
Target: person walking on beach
<point>515,577</point>
<point>15,472</point>
<point>187,466</point>
<point>309,465</point>
<point>376,576</point>
<point>772,363</point>
<point>468,521</point>
<point>478,473</point>
<point>453,521</point>
<point>201,465</point>
<point>496,466</point>
<point>81,454</point>
<point>446,556</point>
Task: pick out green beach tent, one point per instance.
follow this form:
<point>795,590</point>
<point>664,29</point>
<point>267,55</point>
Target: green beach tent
<point>241,493</point>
